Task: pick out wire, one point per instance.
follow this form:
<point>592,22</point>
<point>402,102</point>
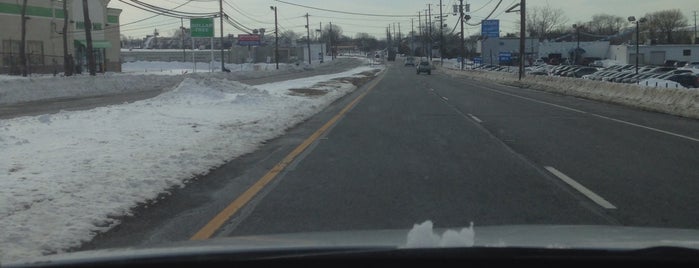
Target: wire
<point>346,12</point>
<point>491,13</point>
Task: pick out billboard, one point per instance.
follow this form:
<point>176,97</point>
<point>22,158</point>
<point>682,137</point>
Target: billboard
<point>490,28</point>
<point>249,40</point>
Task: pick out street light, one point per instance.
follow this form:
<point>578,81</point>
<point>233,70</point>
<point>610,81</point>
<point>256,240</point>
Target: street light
<point>632,19</point>
<point>276,37</point>
<point>577,50</point>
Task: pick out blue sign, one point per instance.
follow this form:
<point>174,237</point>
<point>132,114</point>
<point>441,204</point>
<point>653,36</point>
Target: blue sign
<point>478,60</point>
<point>490,28</point>
<point>505,57</point>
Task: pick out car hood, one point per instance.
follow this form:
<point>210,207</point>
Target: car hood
<point>510,236</point>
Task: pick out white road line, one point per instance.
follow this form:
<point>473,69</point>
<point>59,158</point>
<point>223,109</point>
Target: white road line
<point>475,118</point>
<point>445,98</point>
<point>596,115</point>
<point>582,189</point>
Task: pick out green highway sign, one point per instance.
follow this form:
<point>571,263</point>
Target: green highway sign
<point>202,27</point>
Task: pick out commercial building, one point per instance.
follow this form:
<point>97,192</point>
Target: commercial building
<point>44,35</point>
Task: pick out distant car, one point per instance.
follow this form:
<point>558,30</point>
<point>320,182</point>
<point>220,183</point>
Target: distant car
<point>409,61</point>
<point>424,67</point>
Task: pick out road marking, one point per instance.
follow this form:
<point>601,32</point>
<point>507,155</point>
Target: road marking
<point>445,98</point>
<point>214,224</point>
<point>475,118</point>
<point>595,115</point>
<point>582,189</point>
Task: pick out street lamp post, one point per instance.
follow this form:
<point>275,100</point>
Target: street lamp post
<point>276,37</point>
<point>577,38</point>
<point>632,19</point>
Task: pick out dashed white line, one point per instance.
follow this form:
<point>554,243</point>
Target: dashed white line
<point>582,189</point>
<point>445,98</point>
<point>475,118</point>
<point>595,115</point>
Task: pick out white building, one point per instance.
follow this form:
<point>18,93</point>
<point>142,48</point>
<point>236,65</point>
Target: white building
<point>44,35</point>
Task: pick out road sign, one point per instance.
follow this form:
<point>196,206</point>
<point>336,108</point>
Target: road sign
<point>505,57</point>
<point>490,28</point>
<point>478,60</point>
<point>249,40</point>
<point>203,27</point>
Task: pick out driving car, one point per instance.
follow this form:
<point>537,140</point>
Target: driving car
<point>409,61</point>
<point>424,67</point>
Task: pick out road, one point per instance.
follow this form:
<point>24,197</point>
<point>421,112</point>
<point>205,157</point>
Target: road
<point>448,149</point>
<point>84,103</point>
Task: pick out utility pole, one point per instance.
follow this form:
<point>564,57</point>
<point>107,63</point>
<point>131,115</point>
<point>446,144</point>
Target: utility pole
<point>694,41</point>
<point>321,41</point>
<point>308,39</point>
<point>184,53</point>
<point>330,37</point>
<point>419,27</point>
<point>276,37</point>
<point>441,35</point>
<point>223,67</point>
<point>429,29</point>
<point>463,45</point>
<point>412,37</point>
<point>399,36</point>
<point>522,29</point>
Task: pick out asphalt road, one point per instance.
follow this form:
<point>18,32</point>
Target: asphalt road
<point>451,150</point>
<point>89,102</point>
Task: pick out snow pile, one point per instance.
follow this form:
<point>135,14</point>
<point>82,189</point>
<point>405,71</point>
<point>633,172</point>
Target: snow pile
<point>65,177</point>
<point>423,236</point>
<point>175,68</point>
<point>49,87</point>
<point>675,101</point>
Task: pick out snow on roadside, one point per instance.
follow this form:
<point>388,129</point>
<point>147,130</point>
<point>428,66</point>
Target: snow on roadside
<point>14,91</point>
<point>675,101</point>
<point>64,177</point>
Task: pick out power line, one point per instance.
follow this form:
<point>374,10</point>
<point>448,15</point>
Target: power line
<point>346,12</point>
<point>491,13</point>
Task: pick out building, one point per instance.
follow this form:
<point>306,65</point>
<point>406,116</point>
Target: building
<point>654,54</point>
<point>44,35</point>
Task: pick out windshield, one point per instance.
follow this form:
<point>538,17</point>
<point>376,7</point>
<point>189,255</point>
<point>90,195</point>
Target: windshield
<point>142,123</point>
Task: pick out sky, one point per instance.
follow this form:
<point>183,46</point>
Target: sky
<point>257,13</point>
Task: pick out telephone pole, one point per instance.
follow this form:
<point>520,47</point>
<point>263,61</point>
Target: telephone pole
<point>429,31</point>
<point>223,67</point>
<point>522,29</point>
<point>308,38</point>
<point>441,34</point>
<point>412,37</point>
<point>419,28</point>
<point>463,45</point>
<point>276,37</point>
<point>694,41</point>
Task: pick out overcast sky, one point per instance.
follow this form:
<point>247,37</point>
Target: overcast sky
<point>257,13</point>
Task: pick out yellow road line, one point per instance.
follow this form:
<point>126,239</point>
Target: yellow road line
<point>210,228</point>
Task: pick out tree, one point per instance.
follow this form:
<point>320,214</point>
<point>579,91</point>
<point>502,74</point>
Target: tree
<point>542,21</point>
<point>604,24</point>
<point>288,38</point>
<point>663,25</point>
<point>23,42</point>
<point>92,65</point>
<point>67,59</point>
<point>366,42</point>
<point>331,35</point>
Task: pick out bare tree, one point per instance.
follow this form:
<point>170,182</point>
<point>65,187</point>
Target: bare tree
<point>92,65</point>
<point>605,24</point>
<point>67,59</point>
<point>541,21</point>
<point>663,25</point>
<point>23,42</point>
